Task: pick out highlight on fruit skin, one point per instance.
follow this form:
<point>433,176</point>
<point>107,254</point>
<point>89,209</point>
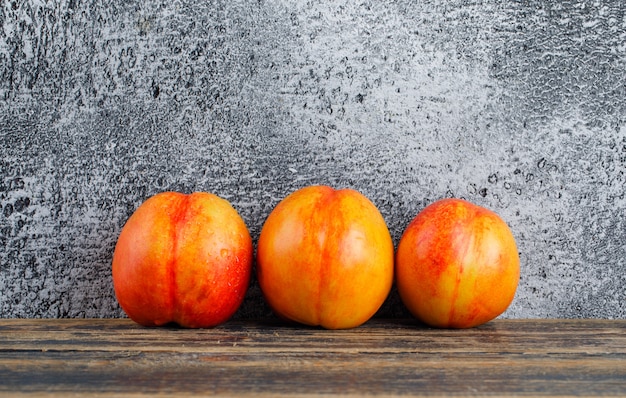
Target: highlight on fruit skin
<point>182,259</point>
<point>457,265</point>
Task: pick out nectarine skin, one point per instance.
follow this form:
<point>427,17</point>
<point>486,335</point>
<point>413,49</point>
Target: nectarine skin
<point>184,259</point>
<point>457,265</point>
<point>325,258</point>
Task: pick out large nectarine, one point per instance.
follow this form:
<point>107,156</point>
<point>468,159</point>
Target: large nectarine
<point>325,257</point>
<point>183,259</point>
<point>457,265</point>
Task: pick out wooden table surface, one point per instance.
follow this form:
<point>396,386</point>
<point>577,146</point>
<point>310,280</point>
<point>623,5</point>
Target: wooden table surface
<point>116,357</point>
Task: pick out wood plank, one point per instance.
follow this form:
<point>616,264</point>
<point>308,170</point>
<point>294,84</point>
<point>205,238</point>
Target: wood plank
<point>109,357</point>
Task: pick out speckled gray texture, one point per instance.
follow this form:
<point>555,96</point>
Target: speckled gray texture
<point>516,106</point>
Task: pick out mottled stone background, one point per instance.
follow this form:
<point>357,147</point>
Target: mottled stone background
<point>517,106</point>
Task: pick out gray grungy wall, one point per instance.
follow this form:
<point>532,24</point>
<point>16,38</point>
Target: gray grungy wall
<point>517,106</point>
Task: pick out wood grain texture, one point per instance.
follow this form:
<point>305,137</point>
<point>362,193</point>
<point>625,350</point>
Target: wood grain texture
<point>504,357</point>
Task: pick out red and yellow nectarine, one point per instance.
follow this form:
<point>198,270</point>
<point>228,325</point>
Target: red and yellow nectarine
<point>184,259</point>
<point>457,265</point>
<point>325,257</point>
